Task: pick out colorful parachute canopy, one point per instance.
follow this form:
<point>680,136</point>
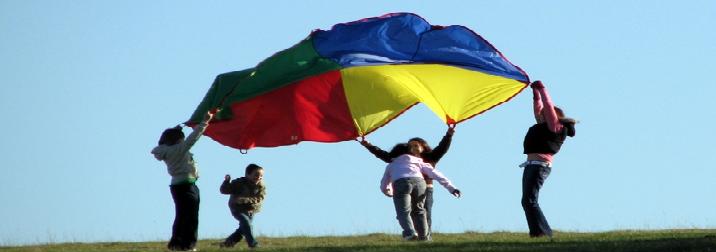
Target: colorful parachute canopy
<point>346,82</point>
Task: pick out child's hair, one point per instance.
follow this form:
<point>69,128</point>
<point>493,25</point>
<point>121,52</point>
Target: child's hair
<point>426,147</point>
<point>171,136</point>
<point>559,112</point>
<point>566,121</point>
<point>251,168</point>
<point>399,149</point>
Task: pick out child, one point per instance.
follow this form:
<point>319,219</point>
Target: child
<point>542,141</point>
<point>247,194</point>
<point>173,149</point>
<point>429,155</point>
<point>405,173</point>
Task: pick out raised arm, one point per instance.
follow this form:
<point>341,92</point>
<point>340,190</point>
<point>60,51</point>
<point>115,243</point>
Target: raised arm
<point>550,116</point>
<point>537,105</point>
<point>226,187</point>
<point>379,153</point>
<point>196,133</point>
<point>442,148</point>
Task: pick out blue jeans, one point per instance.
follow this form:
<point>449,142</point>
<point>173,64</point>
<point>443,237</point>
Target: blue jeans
<point>245,229</point>
<point>428,210</point>
<point>532,180</point>
<point>409,198</point>
<point>186,220</point>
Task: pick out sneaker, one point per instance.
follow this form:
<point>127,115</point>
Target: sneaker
<point>540,236</point>
<point>227,244</point>
<point>177,248</point>
<point>173,247</point>
<point>425,239</point>
<point>412,237</point>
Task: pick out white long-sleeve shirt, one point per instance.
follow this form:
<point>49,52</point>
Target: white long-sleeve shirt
<point>408,166</point>
<point>179,160</point>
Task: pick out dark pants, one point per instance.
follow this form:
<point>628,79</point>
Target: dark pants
<point>428,211</point>
<point>245,230</point>
<point>186,220</point>
<point>532,180</point>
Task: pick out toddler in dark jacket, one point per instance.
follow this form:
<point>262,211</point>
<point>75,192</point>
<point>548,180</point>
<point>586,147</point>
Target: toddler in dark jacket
<point>247,194</point>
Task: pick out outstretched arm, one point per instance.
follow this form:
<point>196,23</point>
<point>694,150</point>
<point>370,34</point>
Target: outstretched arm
<point>379,153</point>
<point>437,175</point>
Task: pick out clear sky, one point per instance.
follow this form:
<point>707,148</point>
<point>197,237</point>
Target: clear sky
<point>86,88</point>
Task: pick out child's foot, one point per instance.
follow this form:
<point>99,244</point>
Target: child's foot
<point>227,244</point>
<point>540,236</point>
<point>177,248</point>
<point>425,239</point>
<point>412,237</point>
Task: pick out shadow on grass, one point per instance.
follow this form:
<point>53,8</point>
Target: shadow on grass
<point>699,240</point>
<point>664,244</point>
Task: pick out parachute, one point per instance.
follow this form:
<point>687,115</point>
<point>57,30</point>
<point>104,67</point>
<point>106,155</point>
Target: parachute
<point>346,82</point>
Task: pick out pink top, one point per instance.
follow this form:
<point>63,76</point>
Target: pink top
<point>543,105</point>
<point>409,166</point>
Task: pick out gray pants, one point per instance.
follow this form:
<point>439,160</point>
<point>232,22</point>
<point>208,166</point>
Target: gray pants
<point>428,210</point>
<point>409,198</point>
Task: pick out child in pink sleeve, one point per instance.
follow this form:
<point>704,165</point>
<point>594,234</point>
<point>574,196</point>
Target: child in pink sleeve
<point>403,181</point>
<point>542,141</point>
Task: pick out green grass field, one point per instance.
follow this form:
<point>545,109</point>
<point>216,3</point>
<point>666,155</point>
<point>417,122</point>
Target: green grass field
<point>660,240</point>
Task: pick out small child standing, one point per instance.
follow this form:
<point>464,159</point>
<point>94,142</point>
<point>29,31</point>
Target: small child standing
<point>173,149</point>
<point>247,194</point>
<point>405,173</point>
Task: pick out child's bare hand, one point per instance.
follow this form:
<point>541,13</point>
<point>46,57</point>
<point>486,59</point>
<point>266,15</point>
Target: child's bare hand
<point>364,143</point>
<point>450,131</point>
<point>227,177</point>
<point>537,85</point>
<point>208,116</point>
<point>456,193</point>
<point>388,193</point>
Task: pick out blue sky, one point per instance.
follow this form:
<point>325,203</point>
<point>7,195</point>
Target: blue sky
<point>86,87</point>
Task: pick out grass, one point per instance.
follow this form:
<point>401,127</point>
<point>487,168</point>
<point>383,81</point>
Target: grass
<point>659,240</point>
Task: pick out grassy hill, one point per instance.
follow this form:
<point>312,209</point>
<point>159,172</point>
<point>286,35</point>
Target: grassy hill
<point>660,240</point>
